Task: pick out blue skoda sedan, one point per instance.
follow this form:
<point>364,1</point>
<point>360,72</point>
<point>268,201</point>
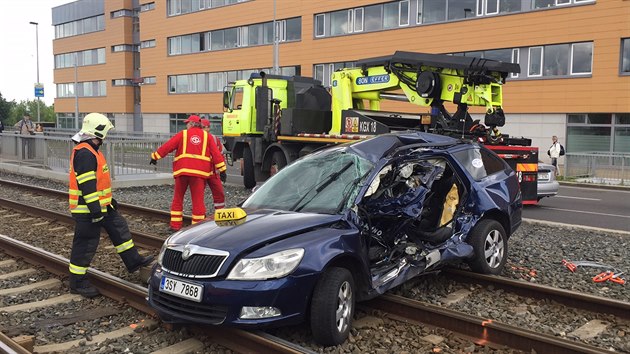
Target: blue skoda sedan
<point>338,226</point>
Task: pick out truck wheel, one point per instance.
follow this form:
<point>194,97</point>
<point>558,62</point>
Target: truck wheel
<point>332,307</point>
<point>490,246</point>
<point>278,162</point>
<point>248,169</point>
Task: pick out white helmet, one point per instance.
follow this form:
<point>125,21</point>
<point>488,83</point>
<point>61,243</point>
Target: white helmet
<point>95,125</point>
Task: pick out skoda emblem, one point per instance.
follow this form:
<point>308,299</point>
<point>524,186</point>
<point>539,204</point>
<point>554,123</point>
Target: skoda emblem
<point>186,254</point>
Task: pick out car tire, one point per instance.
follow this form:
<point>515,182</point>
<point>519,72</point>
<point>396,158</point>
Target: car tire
<point>249,179</point>
<point>332,307</point>
<point>489,241</point>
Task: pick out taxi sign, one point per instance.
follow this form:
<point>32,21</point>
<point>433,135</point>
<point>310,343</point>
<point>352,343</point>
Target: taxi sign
<point>229,217</point>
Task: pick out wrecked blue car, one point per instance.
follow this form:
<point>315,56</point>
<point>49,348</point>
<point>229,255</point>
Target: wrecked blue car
<point>338,226</point>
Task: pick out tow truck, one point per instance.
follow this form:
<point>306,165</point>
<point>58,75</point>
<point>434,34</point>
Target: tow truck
<point>270,121</point>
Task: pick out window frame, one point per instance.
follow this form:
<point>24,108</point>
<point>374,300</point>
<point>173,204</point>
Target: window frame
<point>356,28</point>
<point>529,61</point>
<point>323,17</point>
<point>486,7</point>
<point>571,72</point>
<point>516,56</point>
<point>401,23</point>
<point>625,44</point>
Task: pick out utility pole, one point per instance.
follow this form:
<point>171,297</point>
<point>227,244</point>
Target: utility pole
<point>76,91</point>
<point>37,51</point>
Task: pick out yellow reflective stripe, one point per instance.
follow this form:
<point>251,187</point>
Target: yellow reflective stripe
<point>74,192</point>
<point>219,165</point>
<point>175,212</point>
<point>88,176</point>
<point>198,217</point>
<point>75,269</point>
<point>124,246</point>
<point>106,191</point>
<point>156,156</point>
<point>192,156</point>
<point>205,143</point>
<point>189,170</point>
<point>91,197</point>
<point>73,202</point>
<point>80,209</point>
<point>177,218</point>
<point>185,137</point>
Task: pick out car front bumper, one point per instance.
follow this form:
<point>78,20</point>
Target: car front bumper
<point>222,300</point>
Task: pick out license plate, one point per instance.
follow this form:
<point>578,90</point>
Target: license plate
<point>181,289</point>
<point>544,176</point>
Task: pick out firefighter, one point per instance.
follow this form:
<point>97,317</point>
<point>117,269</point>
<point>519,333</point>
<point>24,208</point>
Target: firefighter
<point>215,179</point>
<point>191,167</point>
<point>93,208</point>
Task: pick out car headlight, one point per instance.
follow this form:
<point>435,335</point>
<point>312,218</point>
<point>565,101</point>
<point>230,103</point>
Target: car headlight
<point>161,254</point>
<point>275,265</point>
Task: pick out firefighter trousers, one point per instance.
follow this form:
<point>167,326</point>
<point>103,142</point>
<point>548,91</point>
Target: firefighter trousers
<point>197,188</point>
<point>218,194</point>
<point>87,235</point>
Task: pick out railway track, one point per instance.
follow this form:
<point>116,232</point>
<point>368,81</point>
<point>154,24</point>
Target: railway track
<point>481,331</point>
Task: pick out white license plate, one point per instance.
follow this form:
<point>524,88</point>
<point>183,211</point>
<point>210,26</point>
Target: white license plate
<point>181,288</point>
<point>544,176</point>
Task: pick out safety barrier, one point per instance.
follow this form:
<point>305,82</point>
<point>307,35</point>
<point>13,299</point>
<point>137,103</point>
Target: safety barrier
<point>124,156</point>
<point>598,167</point>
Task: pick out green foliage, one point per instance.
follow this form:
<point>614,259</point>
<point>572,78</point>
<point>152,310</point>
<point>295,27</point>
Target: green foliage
<point>6,108</point>
<point>11,112</point>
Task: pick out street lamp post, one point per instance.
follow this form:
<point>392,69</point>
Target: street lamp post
<point>37,51</point>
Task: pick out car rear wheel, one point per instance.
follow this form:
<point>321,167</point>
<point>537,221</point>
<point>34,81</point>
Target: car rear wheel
<point>332,307</point>
<point>489,242</point>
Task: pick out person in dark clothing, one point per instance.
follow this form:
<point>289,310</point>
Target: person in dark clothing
<point>93,208</point>
<point>1,126</point>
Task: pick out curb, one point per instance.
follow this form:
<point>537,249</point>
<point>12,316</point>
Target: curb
<point>573,226</point>
<point>594,186</point>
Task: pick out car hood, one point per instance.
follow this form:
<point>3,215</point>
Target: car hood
<point>259,227</point>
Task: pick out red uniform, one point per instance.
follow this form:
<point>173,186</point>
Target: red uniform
<point>192,166</point>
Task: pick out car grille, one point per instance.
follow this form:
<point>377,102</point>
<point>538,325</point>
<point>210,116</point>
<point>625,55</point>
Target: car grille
<point>197,265</point>
<point>192,311</point>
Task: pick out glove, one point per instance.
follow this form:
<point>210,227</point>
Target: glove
<point>153,162</point>
<point>223,176</point>
<point>97,217</point>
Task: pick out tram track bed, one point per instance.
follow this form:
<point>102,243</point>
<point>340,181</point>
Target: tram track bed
<point>536,252</point>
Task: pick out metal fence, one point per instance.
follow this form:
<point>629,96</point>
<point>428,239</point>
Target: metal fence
<point>124,156</point>
<point>598,167</point>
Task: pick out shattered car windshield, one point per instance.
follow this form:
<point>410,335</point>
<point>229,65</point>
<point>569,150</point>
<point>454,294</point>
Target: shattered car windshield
<point>325,183</point>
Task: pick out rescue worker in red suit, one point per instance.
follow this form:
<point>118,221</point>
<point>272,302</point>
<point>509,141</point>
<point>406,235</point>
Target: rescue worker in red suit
<point>214,182</point>
<point>93,208</point>
<point>195,151</point>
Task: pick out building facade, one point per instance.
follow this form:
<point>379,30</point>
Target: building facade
<point>148,64</point>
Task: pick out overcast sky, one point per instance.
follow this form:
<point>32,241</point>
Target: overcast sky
<point>18,62</point>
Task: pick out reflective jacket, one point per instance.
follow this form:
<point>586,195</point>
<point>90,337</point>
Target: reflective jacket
<point>197,154</point>
<point>90,191</point>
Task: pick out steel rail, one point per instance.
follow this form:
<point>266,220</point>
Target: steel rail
<point>569,298</point>
<point>139,238</point>
<point>135,296</point>
<point>482,331</point>
<point>128,208</point>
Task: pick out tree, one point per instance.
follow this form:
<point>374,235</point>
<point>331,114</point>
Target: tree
<point>6,108</point>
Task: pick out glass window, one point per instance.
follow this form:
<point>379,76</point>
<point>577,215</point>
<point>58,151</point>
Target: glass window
<point>319,72</point>
<point>587,139</point>
<point>563,2</point>
<point>268,32</point>
<point>458,9</point>
<point>339,23</point>
<point>404,13</point>
<point>506,6</point>
<point>599,118</point>
<point>433,11</point>
<point>390,15</point>
<point>556,60</point>
<point>581,58</point>
<point>535,61</point>
<point>472,161</point>
<point>320,25</point>
<point>182,83</point>
<point>492,7</point>
<point>186,44</point>
<point>504,55</point>
<point>577,118</point>
<point>622,118</point>
<point>373,18</point>
<point>625,55</point>
<point>622,139</point>
<point>255,35</point>
<point>539,4</point>
<point>231,37</point>
<point>358,19</point>
<point>217,40</point>
<point>294,29</point>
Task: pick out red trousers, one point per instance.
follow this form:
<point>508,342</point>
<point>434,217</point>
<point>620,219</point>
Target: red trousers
<point>197,188</point>
<point>218,194</point>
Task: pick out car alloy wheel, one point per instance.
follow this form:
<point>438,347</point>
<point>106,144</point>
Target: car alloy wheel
<point>332,306</point>
<point>490,245</point>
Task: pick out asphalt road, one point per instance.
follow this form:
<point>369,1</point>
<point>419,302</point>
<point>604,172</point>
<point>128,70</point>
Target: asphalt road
<point>595,207</point>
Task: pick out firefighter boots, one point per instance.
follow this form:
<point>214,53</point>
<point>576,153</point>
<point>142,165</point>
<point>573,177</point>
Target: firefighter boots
<point>79,284</point>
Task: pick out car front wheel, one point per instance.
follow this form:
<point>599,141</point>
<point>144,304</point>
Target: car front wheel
<point>332,307</point>
<point>489,242</point>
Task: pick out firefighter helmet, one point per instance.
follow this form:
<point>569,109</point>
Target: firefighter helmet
<point>97,125</point>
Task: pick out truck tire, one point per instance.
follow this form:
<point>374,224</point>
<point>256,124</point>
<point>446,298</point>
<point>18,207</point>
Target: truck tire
<point>278,162</point>
<point>249,179</point>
